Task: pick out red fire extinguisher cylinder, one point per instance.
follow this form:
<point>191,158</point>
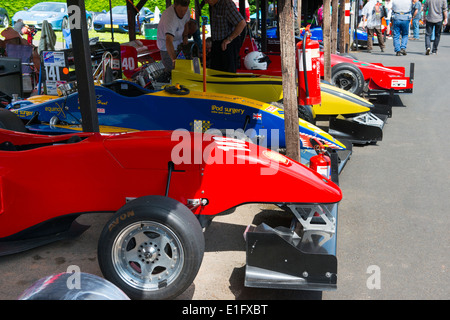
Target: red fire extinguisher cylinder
<point>308,57</point>
<point>322,164</point>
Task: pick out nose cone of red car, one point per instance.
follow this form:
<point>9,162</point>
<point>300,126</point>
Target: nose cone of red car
<point>250,173</point>
<point>224,171</point>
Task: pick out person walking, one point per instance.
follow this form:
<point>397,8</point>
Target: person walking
<point>417,8</point>
<point>401,16</point>
<point>226,26</point>
<point>360,10</point>
<point>436,16</point>
<point>373,11</point>
<point>388,6</point>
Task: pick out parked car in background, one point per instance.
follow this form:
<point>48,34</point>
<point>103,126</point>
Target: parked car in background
<point>4,18</point>
<point>54,12</point>
<point>102,21</point>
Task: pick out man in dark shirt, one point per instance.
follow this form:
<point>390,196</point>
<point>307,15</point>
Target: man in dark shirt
<point>226,26</point>
<point>435,17</point>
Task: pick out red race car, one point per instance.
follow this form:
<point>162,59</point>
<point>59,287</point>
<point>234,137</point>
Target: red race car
<point>347,72</point>
<point>164,187</point>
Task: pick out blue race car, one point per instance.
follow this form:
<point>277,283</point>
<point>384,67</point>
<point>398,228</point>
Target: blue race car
<point>54,12</point>
<point>124,106</point>
<point>102,22</point>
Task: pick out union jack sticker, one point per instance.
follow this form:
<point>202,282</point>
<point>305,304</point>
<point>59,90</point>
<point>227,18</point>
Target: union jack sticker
<point>257,116</point>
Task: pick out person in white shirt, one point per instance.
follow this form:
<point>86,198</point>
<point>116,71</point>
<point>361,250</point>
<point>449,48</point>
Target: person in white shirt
<point>173,30</point>
<point>373,12</point>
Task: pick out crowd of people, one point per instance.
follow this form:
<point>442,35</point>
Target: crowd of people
<point>402,19</point>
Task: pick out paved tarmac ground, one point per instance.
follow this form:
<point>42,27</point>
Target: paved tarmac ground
<point>393,217</point>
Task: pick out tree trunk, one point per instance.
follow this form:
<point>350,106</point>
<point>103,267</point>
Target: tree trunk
<point>326,40</point>
<point>334,25</point>
<point>287,45</point>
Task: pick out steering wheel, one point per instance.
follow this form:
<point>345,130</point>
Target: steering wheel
<point>177,89</point>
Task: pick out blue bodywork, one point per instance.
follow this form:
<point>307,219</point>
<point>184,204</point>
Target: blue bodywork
<point>102,22</point>
<point>128,106</point>
<point>54,12</point>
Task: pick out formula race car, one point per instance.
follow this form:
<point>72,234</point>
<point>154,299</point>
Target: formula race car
<point>347,72</point>
<point>164,187</point>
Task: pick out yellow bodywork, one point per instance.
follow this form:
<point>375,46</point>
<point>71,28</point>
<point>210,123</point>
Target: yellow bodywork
<point>37,99</point>
<point>264,88</point>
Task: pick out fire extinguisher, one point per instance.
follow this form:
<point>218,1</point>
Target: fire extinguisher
<point>321,162</point>
<point>308,57</point>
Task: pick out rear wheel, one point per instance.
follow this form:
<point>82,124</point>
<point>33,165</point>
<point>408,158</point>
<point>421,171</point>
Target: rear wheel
<point>152,248</point>
<point>348,77</point>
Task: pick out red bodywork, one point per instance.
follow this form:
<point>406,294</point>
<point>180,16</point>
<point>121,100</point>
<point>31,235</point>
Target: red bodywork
<point>378,76</point>
<point>45,177</point>
<point>135,52</point>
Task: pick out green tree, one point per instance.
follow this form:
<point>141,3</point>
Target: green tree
<point>91,5</point>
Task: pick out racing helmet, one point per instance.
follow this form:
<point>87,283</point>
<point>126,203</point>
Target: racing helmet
<point>256,61</point>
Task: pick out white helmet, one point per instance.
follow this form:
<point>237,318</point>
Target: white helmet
<point>256,61</point>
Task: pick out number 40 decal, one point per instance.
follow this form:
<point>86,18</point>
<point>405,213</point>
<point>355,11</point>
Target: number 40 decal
<point>128,63</point>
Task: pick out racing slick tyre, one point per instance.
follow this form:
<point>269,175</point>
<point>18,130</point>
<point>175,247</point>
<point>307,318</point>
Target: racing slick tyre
<point>348,77</point>
<point>65,23</point>
<point>152,248</point>
<point>304,112</point>
<point>10,121</point>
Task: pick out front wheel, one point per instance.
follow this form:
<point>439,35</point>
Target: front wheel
<point>152,248</point>
<point>5,21</point>
<point>89,23</point>
<point>304,112</point>
<point>65,24</point>
<point>142,28</point>
<point>348,77</point>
